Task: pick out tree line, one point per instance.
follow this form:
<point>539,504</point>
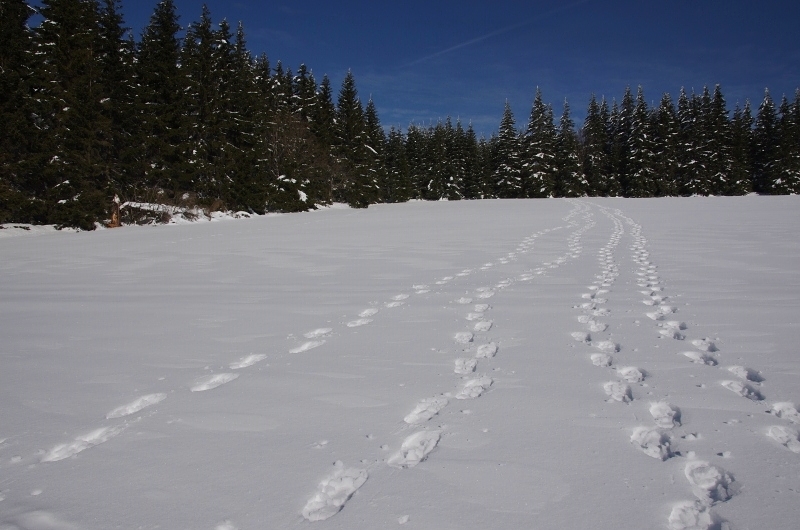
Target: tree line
<point>191,118</point>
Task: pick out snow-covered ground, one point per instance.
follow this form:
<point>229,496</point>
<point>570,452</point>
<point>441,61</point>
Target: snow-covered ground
<point>552,364</point>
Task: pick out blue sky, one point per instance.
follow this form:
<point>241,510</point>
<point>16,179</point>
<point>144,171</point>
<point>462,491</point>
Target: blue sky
<point>425,60</point>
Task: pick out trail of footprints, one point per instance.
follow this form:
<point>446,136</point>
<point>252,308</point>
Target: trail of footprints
<point>709,483</point>
<point>337,488</point>
<point>417,446</point>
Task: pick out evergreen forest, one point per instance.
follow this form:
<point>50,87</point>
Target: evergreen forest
<point>189,117</point>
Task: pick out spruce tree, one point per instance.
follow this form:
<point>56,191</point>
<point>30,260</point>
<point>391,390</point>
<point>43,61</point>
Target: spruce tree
<point>623,132</point>
<point>766,138</point>
<point>376,149</point>
<point>507,174</point>
<point>17,133</point>
<point>612,185</point>
<point>472,164</point>
<point>160,106</point>
<point>570,181</point>
<point>118,85</point>
<point>640,167</point>
<point>539,151</point>
<point>594,159</point>
<point>664,131</point>
<point>726,175</point>
<point>787,171</point>
<point>69,98</point>
<point>416,157</point>
<point>359,187</point>
<point>397,186</point>
<point>741,140</point>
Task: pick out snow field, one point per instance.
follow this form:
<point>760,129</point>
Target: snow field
<point>353,396</point>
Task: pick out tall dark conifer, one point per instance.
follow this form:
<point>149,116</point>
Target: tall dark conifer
<point>160,106</point>
<point>539,151</point>
<point>787,171</point>
<point>397,187</point>
<point>358,186</point>
<point>116,56</point>
<point>593,156</point>
<point>68,100</point>
<point>640,170</point>
<point>766,138</point>
<point>741,141</point>
<point>664,130</point>
<point>17,133</point>
<point>507,174</point>
<point>570,181</point>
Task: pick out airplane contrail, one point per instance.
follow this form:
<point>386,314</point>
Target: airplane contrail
<point>494,33</point>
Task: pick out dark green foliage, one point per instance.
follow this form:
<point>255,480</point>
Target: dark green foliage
<point>87,113</point>
<point>766,148</point>
<point>357,185</point>
<point>507,174</point>
<point>665,134</point>
<point>570,180</point>
<point>593,150</point>
<point>539,151</point>
<point>17,134</point>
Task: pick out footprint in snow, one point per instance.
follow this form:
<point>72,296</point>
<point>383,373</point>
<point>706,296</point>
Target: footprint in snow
<point>700,358</point>
<point>317,333</point>
<point>692,515</point>
<point>136,405</point>
<point>474,316</point>
<point>310,345</point>
<point>596,326</point>
<point>581,336</point>
<point>485,294</point>
<point>82,443</point>
<point>617,391</point>
<point>359,322</point>
<point>247,361</point>
<point>652,442</point>
<point>394,304</point>
<point>486,351</point>
<point>746,373</point>
<point>606,346</point>
<point>481,308</point>
<point>473,388</point>
<point>463,337</point>
<point>333,492</point>
<point>671,333</point>
<point>785,436</point>
<point>426,409</point>
<point>464,300</point>
<point>415,449</point>
<point>483,326</point>
<point>709,483</point>
<point>212,381</point>
<point>372,311</point>
<point>665,415</point>
<point>601,359</point>
<point>786,410</point>
<point>705,344</point>
<point>743,389</point>
<point>465,366</point>
<point>630,374</point>
<point>400,297</point>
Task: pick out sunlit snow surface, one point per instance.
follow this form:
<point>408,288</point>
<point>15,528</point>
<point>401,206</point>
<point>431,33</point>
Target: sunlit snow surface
<point>593,363</point>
